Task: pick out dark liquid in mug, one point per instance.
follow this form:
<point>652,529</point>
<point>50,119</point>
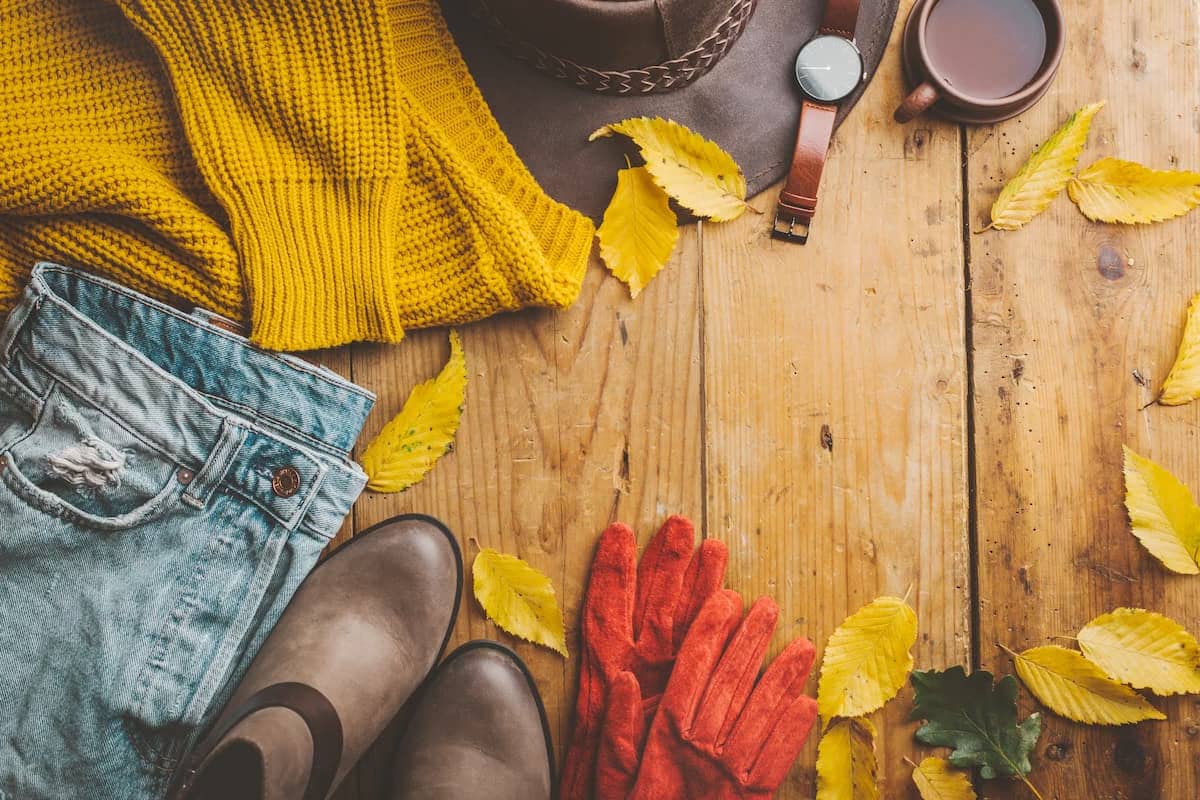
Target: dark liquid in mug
<point>986,48</point>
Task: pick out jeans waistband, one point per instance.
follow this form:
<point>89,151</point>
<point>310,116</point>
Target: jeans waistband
<point>221,407</point>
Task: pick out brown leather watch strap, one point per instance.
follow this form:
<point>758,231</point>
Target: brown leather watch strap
<point>841,18</point>
<point>798,200</point>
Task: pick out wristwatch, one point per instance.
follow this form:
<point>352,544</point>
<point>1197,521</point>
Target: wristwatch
<point>829,68</point>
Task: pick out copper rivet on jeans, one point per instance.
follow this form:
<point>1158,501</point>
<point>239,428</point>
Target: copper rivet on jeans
<point>184,475</point>
<point>286,481</point>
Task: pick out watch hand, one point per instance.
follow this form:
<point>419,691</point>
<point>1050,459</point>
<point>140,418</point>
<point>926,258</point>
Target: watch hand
<point>822,68</point>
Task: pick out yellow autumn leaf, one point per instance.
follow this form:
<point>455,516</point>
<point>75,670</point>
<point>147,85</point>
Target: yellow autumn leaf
<point>638,232</point>
<point>1183,381</point>
<point>1112,190</point>
<point>846,765</point>
<point>867,659</point>
<point>695,171</point>
<point>1145,650</point>
<point>1163,514</point>
<point>519,599</point>
<point>938,779</point>
<point>1070,685</point>
<point>412,442</point>
<point>1044,174</point>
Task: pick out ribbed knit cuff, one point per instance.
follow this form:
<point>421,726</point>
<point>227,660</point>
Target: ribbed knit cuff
<point>318,261</point>
<point>434,74</point>
<point>566,238</point>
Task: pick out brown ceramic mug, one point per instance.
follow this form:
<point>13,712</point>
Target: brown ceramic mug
<point>1007,72</point>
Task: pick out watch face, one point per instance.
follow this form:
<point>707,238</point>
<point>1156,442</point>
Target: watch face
<point>829,68</point>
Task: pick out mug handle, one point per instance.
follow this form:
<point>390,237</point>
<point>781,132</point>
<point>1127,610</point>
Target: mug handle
<point>917,102</point>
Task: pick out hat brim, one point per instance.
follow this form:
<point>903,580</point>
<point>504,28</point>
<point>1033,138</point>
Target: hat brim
<point>748,103</point>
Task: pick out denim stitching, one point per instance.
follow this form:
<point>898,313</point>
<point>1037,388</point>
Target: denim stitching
<point>169,672</point>
<point>228,648</point>
<point>52,505</point>
<point>110,415</point>
<point>220,461</point>
<point>49,293</point>
<point>164,642</point>
<point>24,397</point>
<point>249,424</point>
<point>251,413</point>
<point>49,503</point>
<point>15,322</point>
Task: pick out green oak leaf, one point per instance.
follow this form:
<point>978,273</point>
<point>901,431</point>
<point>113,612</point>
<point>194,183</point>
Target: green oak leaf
<point>977,719</point>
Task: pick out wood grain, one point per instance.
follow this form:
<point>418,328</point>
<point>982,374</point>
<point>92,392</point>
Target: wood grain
<point>812,405</point>
<point>572,420</point>
<point>835,401</point>
<point>1070,318</point>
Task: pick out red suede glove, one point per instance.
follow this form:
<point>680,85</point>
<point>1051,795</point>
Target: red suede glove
<point>633,623</point>
<point>622,739</point>
<point>718,734</point>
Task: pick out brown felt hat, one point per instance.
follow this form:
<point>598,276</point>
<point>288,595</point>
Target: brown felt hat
<point>553,71</point>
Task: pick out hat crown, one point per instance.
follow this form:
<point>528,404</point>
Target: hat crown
<point>613,35</point>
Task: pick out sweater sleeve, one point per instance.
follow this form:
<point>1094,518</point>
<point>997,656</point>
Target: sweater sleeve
<point>290,109</point>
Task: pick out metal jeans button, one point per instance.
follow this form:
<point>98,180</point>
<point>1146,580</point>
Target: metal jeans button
<point>285,482</point>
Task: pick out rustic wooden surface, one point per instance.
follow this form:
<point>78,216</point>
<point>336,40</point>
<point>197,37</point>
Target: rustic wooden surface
<point>1068,318</point>
<point>901,405</point>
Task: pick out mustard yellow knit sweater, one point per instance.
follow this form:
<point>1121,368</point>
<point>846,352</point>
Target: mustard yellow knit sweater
<point>324,172</point>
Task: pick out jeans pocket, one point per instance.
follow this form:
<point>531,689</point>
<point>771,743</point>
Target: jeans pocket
<point>79,463</point>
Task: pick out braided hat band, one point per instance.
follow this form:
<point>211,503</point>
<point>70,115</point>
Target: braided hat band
<point>664,77</point>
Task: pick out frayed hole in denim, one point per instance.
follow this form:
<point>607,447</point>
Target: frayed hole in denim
<point>91,463</point>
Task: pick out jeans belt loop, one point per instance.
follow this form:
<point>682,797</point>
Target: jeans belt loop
<point>202,485</point>
<point>16,320</point>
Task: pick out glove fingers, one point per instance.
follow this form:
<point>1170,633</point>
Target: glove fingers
<point>782,745</point>
<point>705,575</point>
<point>621,739</point>
<point>777,718</point>
<point>698,657</point>
<point>659,583</point>
<point>735,675</point>
<point>607,638</point>
<point>579,766</point>
<point>608,608</point>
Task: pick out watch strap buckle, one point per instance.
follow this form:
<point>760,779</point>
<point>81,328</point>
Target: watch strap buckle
<point>788,228</point>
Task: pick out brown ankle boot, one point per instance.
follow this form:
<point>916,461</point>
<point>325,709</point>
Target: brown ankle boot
<point>478,731</point>
<point>361,634</point>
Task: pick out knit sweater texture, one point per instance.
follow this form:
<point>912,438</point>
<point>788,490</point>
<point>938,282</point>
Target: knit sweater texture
<point>323,172</point>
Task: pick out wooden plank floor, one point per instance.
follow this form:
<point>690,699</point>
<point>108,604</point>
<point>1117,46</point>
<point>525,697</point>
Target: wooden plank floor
<point>899,404</point>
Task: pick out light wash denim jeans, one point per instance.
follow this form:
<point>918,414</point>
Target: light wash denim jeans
<point>164,488</point>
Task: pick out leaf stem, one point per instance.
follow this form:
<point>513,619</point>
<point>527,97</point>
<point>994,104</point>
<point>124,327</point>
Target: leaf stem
<point>996,745</point>
<point>1032,788</point>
